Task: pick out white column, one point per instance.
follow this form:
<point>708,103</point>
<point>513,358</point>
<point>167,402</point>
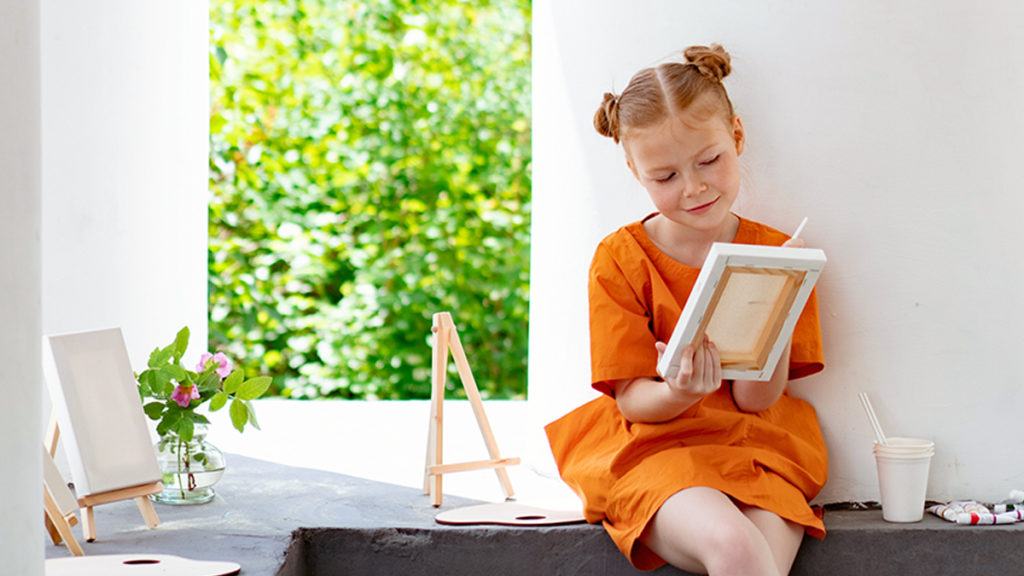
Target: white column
<point>574,206</point>
<point>21,510</point>
<point>125,91</point>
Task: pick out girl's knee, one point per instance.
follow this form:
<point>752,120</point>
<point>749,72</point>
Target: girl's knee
<point>737,547</point>
<point>700,529</point>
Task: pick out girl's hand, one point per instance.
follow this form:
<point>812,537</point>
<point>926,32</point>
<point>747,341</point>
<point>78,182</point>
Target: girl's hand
<point>655,400</point>
<point>700,370</point>
<point>794,243</point>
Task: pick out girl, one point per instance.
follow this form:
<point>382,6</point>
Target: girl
<point>713,477</point>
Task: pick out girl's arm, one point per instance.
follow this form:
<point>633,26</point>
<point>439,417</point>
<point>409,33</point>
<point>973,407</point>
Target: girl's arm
<point>754,396</point>
<point>656,400</point>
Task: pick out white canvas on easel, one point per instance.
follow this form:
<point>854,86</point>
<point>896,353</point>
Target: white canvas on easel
<point>101,421</point>
<point>747,300</point>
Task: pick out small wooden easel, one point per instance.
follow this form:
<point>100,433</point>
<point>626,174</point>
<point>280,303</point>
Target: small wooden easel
<point>139,493</point>
<point>96,402</point>
<point>446,338</point>
<point>59,504</point>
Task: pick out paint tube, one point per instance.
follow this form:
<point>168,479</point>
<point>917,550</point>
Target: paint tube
<point>1017,514</point>
<point>974,519</point>
<point>944,511</point>
<point>958,511</point>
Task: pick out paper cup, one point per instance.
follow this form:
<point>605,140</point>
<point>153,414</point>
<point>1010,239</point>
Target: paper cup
<point>902,482</point>
<point>899,445</point>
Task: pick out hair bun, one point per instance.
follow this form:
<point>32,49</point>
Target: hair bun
<point>711,61</point>
<point>606,119</point>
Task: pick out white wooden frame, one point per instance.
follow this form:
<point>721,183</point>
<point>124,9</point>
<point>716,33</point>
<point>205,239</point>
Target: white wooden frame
<point>747,300</point>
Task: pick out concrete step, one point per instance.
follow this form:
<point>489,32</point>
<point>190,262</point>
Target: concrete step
<point>858,543</point>
<point>287,521</point>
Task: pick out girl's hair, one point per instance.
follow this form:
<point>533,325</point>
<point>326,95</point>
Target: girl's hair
<point>655,93</point>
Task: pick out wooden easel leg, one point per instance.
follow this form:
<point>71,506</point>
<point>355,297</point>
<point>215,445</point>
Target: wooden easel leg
<point>60,525</point>
<point>88,524</point>
<point>439,365</point>
<point>431,434</point>
<point>432,458</point>
<point>51,528</point>
<point>50,438</point>
<point>148,513</point>
<point>52,435</point>
<point>473,393</point>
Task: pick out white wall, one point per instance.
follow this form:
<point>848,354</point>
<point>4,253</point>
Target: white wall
<point>21,518</point>
<point>125,116</point>
<point>125,156</point>
<point>896,128</point>
<point>103,158</point>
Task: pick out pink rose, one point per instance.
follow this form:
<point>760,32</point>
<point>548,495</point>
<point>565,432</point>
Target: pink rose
<point>184,394</point>
<point>223,364</point>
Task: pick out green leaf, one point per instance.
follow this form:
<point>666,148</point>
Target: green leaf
<point>154,410</point>
<point>160,356</point>
<point>218,401</point>
<point>166,388</point>
<point>252,415</point>
<point>158,382</point>
<point>145,391</point>
<point>209,383</point>
<point>217,121</point>
<point>239,414</point>
<point>233,380</point>
<point>185,428</point>
<point>253,388</point>
<point>170,420</point>
<point>180,344</point>
<point>176,373</point>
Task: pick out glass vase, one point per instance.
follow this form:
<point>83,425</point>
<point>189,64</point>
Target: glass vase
<point>189,469</point>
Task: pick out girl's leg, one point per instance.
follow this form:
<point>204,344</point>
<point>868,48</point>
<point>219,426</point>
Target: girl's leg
<point>783,537</point>
<point>701,530</point>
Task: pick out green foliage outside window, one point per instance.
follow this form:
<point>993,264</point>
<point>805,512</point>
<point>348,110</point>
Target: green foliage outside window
<point>369,166</point>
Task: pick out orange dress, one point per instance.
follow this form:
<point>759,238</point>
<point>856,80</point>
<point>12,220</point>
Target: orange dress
<point>624,472</point>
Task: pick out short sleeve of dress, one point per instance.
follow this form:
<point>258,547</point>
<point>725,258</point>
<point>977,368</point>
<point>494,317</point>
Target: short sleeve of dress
<point>621,341</point>
<point>806,356</point>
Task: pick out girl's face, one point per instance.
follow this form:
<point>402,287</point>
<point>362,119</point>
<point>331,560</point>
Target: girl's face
<point>689,164</point>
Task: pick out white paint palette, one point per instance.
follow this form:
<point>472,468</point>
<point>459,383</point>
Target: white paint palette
<point>137,565</point>
<point>508,514</point>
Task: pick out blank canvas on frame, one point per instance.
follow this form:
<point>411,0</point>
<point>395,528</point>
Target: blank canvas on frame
<point>746,300</point>
<point>96,399</point>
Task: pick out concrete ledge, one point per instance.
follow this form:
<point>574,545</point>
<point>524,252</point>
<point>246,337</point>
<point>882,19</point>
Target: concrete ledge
<point>286,521</point>
<point>491,551</point>
<point>859,543</point>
